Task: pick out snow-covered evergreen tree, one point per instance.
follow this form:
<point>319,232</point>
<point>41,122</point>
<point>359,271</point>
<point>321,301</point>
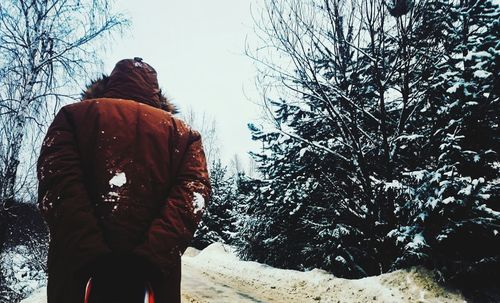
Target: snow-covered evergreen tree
<point>453,212</point>
<point>382,119</point>
<point>217,224</point>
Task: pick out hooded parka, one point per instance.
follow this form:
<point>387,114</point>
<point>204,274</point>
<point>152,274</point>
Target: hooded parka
<point>118,173</point>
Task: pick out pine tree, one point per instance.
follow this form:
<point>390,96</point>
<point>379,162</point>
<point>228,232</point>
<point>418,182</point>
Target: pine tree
<point>336,149</point>
<point>217,224</point>
<point>384,142</point>
<point>453,213</point>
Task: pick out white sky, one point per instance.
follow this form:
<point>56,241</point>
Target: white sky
<point>197,48</point>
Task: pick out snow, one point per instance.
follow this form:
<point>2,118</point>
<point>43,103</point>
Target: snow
<point>490,211</point>
<point>394,184</point>
<point>19,270</point>
<point>409,137</point>
<point>247,281</point>
<point>118,180</point>
<point>216,274</point>
<point>39,296</point>
<point>296,209</point>
<point>303,151</point>
<point>418,242</point>
<point>479,54</point>
<point>198,202</point>
<point>340,259</point>
<point>467,190</point>
<point>49,141</point>
<point>453,88</point>
<point>482,74</point>
<point>448,200</point>
<point>340,231</point>
<point>111,197</point>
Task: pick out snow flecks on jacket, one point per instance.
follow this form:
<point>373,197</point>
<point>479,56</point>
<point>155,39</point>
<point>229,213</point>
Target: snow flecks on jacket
<point>198,202</point>
<point>118,180</point>
<point>48,141</point>
<point>111,197</point>
<point>46,204</point>
<point>198,192</point>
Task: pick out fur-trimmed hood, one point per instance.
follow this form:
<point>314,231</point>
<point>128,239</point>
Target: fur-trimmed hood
<point>131,79</point>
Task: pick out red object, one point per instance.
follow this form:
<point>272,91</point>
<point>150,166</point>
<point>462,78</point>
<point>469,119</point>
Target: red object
<point>88,287</point>
<point>149,296</point>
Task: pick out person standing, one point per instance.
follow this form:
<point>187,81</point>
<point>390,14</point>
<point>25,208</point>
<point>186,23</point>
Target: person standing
<point>122,186</point>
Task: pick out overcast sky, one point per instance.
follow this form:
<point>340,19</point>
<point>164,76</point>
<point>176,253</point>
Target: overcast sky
<point>197,48</point>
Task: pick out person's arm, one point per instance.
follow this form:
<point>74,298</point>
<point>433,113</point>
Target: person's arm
<point>62,196</point>
<point>170,233</point>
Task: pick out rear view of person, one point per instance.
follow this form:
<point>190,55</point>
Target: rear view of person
<point>122,187</point>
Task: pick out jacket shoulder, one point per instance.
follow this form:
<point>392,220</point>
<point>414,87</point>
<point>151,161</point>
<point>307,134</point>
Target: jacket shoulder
<point>185,130</point>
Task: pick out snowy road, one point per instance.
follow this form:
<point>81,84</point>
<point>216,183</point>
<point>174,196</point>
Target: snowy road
<point>203,286</point>
<point>216,275</point>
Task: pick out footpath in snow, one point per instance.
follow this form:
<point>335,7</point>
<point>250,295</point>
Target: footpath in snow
<point>216,275</point>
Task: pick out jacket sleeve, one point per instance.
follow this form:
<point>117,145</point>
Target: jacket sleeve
<point>62,196</point>
<point>170,233</point>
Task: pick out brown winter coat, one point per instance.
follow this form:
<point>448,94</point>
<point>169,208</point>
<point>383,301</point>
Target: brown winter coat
<point>118,175</point>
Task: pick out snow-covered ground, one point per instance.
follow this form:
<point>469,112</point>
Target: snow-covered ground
<point>217,275</point>
<point>19,268</point>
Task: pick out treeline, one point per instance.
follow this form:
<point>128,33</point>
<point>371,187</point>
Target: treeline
<point>380,147</point>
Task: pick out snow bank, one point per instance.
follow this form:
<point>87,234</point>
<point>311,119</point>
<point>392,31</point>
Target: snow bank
<point>216,274</point>
<point>217,252</point>
<point>220,269</point>
<point>191,252</point>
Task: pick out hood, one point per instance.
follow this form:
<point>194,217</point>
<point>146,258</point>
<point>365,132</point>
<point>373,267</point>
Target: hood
<point>131,79</point>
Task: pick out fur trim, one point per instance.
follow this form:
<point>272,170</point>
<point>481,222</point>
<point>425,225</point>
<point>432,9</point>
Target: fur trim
<point>166,104</point>
<point>97,88</point>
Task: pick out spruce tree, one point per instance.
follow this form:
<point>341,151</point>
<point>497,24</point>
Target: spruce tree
<point>452,211</point>
<point>384,141</point>
<point>217,224</point>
